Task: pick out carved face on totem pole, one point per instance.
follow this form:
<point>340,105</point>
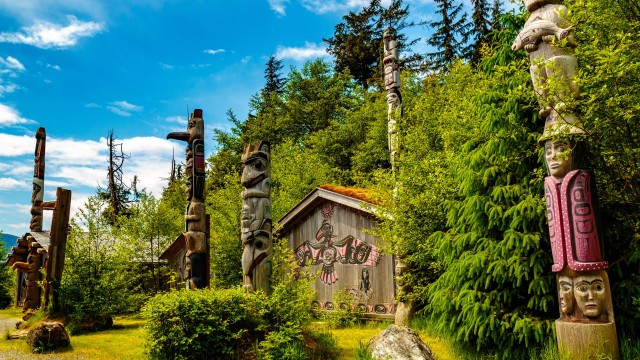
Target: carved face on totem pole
<point>590,295</point>
<point>565,292</point>
<point>557,154</point>
<point>256,167</point>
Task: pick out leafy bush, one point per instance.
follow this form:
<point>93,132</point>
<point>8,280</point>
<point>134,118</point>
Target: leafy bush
<point>95,281</point>
<point>211,324</point>
<point>201,324</point>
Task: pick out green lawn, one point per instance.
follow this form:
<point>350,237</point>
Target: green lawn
<point>125,341</point>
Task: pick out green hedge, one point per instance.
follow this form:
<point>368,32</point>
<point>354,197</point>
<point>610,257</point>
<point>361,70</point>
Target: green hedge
<point>201,324</point>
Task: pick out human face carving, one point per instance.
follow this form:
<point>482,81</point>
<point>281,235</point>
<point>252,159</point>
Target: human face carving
<point>557,154</point>
<point>589,292</point>
<point>565,290</point>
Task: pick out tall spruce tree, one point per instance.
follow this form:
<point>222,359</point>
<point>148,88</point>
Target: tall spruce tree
<point>495,292</point>
<point>356,42</point>
<point>273,77</point>
<point>449,37</point>
<point>478,31</point>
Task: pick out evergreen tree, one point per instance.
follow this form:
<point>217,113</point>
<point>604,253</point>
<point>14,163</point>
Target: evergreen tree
<point>495,291</point>
<point>449,37</point>
<point>496,10</point>
<point>481,25</point>
<point>274,80</point>
<point>356,42</point>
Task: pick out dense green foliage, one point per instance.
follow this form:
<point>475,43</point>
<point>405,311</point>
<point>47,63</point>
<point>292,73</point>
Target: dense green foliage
<point>495,290</point>
<point>7,277</point>
<point>608,34</point>
<point>95,278</point>
<point>211,324</point>
<point>202,324</point>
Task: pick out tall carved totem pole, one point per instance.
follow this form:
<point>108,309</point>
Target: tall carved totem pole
<point>38,181</point>
<point>586,325</point>
<point>404,309</point>
<point>255,227</point>
<point>195,235</point>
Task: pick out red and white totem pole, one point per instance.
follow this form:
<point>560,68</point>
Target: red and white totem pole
<point>586,326</point>
<point>256,219</point>
<point>195,235</point>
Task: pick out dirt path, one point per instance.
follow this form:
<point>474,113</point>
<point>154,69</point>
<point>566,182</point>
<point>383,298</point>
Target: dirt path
<point>7,323</point>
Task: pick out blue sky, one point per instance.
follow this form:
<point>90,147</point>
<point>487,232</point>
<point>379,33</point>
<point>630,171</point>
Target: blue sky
<point>80,68</point>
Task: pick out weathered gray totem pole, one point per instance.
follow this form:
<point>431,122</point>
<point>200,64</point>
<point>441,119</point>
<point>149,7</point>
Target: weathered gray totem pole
<point>256,220</point>
<point>195,236</point>
<point>586,325</point>
<point>404,309</point>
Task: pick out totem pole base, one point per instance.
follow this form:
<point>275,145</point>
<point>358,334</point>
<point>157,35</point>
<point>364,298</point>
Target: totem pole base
<point>587,341</point>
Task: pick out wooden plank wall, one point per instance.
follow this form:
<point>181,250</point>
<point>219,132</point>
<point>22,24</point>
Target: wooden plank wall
<point>375,298</point>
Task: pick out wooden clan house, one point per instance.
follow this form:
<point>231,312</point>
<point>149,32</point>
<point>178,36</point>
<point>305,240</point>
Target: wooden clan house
<point>329,231</point>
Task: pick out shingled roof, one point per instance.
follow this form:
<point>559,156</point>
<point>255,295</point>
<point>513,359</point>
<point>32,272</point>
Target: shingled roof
<point>363,200</point>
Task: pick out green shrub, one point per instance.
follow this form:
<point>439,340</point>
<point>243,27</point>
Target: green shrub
<point>200,324</point>
<point>212,324</point>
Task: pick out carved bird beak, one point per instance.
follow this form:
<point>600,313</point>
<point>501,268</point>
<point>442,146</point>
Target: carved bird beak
<point>182,136</point>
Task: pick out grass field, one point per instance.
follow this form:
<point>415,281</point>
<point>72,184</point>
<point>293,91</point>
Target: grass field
<point>126,341</point>
<point>123,341</point>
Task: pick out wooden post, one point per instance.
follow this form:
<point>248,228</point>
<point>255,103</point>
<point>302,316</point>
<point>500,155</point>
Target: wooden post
<point>59,233</point>
<point>208,237</point>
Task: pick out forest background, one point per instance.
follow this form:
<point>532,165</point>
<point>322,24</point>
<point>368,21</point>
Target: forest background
<point>470,214</point>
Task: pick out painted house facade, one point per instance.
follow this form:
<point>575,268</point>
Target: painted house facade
<point>330,233</point>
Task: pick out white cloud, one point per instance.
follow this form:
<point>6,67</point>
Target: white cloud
<point>278,6</point>
<point>213,52</point>
<point>91,105</point>
<point>123,108</point>
<point>13,184</point>
<point>54,67</point>
<point>310,50</point>
<point>75,152</point>
<point>332,6</point>
<point>11,63</point>
<point>8,88</point>
<point>47,35</point>
<point>13,208</point>
<point>245,59</point>
<point>21,227</point>
<point>9,117</point>
<point>176,119</point>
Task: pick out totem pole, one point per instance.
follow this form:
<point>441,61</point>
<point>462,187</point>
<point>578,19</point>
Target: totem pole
<point>195,235</point>
<point>404,309</point>
<point>31,268</point>
<point>38,181</point>
<point>255,226</point>
<point>586,325</point>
